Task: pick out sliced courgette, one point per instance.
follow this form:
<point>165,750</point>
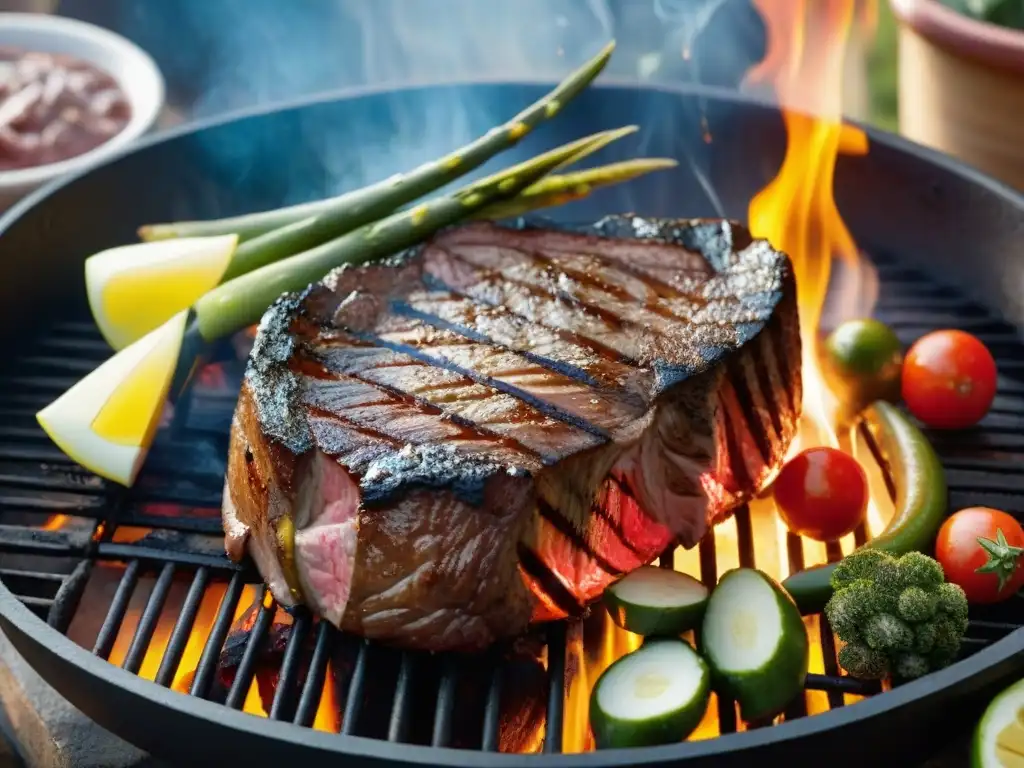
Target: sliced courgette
<point>655,695</point>
<point>755,642</point>
<point>999,737</point>
<point>653,601</point>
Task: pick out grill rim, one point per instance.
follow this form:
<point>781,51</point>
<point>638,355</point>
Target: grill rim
<point>62,662</point>
<point>894,141</point>
<point>75,673</point>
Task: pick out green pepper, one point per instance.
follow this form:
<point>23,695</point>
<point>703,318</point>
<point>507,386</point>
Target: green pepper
<point>921,501</point>
<point>862,361</point>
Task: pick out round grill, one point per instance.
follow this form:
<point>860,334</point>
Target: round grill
<point>145,626</point>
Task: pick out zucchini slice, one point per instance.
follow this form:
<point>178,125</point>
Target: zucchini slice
<point>655,695</point>
<point>653,601</point>
<point>755,642</point>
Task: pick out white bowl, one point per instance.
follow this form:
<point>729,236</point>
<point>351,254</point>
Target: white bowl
<point>129,65</point>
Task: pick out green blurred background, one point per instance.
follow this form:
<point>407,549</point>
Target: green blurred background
<point>882,71</point>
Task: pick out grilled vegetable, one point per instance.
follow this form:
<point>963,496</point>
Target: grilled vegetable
<point>656,601</point>
<point>134,288</point>
<point>107,421</point>
<point>921,501</point>
<point>349,215</point>
<point>949,380</point>
<point>755,642</point>
<point>999,736</point>
<point>861,362</point>
<point>821,493</point>
<point>332,218</point>
<point>562,188</point>
<point>981,550</point>
<point>655,695</point>
<point>897,618</point>
<point>241,302</point>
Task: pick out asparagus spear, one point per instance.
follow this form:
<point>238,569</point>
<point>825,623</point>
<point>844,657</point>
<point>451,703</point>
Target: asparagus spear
<point>241,302</point>
<point>253,225</point>
<point>135,261</point>
<point>564,188</point>
<point>354,209</point>
<point>247,226</point>
<point>312,231</point>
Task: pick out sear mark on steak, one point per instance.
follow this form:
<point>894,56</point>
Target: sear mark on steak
<point>438,449</point>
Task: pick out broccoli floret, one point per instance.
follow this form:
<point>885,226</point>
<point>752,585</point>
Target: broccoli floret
<point>858,565</point>
<point>917,604</point>
<point>896,617</point>
<point>917,570</point>
<point>924,638</point>
<point>947,637</point>
<point>953,603</point>
<point>884,632</point>
<point>847,610</point>
<point>911,665</point>
<point>863,662</point>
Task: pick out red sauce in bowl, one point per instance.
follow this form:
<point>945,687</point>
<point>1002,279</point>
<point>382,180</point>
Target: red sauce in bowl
<point>54,107</point>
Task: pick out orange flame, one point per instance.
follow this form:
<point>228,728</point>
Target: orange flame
<point>55,522</point>
<point>796,212</point>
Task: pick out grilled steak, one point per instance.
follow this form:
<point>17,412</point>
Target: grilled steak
<point>437,450</point>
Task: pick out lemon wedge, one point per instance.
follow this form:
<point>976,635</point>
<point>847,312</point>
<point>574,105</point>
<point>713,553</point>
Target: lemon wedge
<point>999,736</point>
<point>135,288</point>
<point>106,422</point>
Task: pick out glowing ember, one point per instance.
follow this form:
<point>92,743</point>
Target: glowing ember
<point>55,523</point>
<point>97,597</point>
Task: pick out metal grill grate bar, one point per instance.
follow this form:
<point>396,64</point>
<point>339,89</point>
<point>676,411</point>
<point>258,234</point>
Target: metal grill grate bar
<point>284,697</point>
<point>401,710</point>
<point>312,690</point>
<point>182,628</point>
<point>492,713</point>
<point>556,688</point>
<point>246,671</point>
<point>150,616</point>
<point>207,666</point>
<point>115,616</point>
<point>356,694</point>
<point>441,734</point>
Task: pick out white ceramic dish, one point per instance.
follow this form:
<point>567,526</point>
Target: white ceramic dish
<point>134,70</point>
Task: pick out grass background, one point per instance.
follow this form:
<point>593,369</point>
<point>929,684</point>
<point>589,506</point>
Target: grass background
<point>882,71</point>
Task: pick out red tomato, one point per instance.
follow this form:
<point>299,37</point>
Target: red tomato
<point>822,493</point>
<point>980,549</point>
<point>949,379</point>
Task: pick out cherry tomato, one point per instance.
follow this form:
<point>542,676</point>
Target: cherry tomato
<point>980,549</point>
<point>949,379</point>
<point>821,493</point>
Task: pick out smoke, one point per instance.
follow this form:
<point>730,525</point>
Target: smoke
<point>231,55</point>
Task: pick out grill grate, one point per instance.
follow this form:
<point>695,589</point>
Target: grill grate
<point>159,547</point>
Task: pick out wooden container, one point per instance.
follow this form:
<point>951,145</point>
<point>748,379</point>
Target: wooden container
<point>961,87</point>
